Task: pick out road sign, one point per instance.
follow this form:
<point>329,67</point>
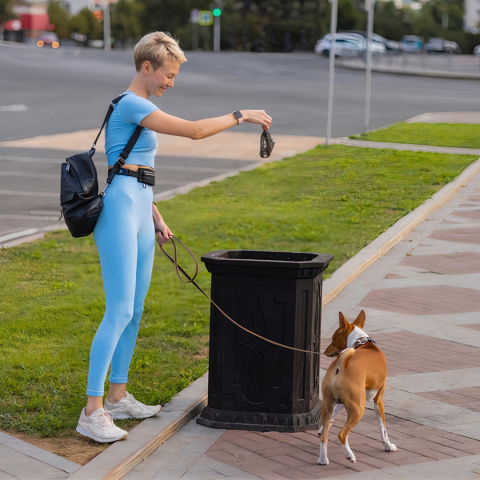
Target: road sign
<point>205,17</point>
<point>194,15</point>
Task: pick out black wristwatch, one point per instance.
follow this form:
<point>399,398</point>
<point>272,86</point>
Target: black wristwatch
<point>238,116</point>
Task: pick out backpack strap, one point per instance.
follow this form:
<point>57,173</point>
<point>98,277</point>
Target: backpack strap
<point>107,116</point>
<point>125,153</point>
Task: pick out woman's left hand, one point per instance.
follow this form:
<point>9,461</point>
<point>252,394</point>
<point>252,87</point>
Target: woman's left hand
<point>163,233</point>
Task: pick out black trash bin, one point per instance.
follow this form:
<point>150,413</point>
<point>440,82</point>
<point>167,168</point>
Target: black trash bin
<point>253,384</point>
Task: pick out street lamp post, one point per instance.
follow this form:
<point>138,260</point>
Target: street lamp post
<point>106,26</point>
<point>369,7</point>
<point>333,30</point>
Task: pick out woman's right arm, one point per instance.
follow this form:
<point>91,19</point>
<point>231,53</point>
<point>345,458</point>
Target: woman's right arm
<point>161,122</point>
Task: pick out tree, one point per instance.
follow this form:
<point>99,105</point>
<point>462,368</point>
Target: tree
<point>84,22</point>
<point>59,14</point>
<point>168,15</point>
<point>6,12</point>
<point>390,21</point>
<point>125,22</point>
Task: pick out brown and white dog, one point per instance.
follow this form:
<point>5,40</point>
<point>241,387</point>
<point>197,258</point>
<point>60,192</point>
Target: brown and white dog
<point>358,373</point>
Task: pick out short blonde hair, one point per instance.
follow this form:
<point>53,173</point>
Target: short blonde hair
<point>154,48</point>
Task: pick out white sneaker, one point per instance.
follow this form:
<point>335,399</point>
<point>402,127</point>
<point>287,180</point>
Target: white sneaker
<point>128,407</point>
<point>100,427</point>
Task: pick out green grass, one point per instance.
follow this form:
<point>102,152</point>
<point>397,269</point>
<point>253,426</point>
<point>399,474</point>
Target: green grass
<point>333,200</point>
<point>438,134</point>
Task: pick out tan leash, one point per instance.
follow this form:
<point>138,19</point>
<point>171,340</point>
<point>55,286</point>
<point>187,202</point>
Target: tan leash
<point>191,280</point>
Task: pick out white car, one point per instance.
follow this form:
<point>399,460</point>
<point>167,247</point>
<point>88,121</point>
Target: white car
<point>346,45</point>
<point>379,44</point>
<point>476,50</point>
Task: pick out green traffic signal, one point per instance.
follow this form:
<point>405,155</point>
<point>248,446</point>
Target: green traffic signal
<point>217,12</point>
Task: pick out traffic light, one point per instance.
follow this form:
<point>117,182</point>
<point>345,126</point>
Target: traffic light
<point>98,14</point>
<point>216,12</point>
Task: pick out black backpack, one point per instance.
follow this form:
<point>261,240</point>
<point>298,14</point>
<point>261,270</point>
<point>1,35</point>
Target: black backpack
<point>79,198</point>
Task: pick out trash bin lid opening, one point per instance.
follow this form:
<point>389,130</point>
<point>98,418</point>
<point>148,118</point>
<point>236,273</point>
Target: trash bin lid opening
<point>269,256</point>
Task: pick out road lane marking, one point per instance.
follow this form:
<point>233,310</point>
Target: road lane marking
<point>20,107</point>
<point>29,194</point>
<point>11,158</point>
<point>12,216</point>
<point>29,175</point>
<point>23,233</point>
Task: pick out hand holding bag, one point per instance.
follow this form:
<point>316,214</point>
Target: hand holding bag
<point>79,198</point>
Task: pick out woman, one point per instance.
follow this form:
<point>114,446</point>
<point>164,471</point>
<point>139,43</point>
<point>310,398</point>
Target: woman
<point>125,231</point>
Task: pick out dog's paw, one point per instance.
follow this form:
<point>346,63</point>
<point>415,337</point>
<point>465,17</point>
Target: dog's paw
<point>391,448</point>
<point>323,461</point>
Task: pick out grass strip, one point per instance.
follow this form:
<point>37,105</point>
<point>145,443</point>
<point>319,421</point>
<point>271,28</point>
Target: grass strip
<point>459,135</point>
<point>333,200</point>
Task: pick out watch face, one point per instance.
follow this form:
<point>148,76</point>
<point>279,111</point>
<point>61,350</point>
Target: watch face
<point>237,115</point>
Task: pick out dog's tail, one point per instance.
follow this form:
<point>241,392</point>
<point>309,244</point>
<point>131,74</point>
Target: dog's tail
<point>342,360</point>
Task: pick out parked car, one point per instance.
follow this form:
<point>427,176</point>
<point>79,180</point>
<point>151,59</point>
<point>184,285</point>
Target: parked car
<point>411,43</point>
<point>346,45</point>
<point>438,45</point>
<point>476,50</point>
<point>434,45</point>
<point>379,44</point>
<point>451,47</point>
<point>48,39</point>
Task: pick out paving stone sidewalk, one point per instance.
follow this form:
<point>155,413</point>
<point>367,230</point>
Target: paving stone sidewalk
<point>422,301</point>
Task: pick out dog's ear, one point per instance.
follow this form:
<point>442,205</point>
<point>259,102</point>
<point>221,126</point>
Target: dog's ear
<point>342,321</point>
<point>360,320</point>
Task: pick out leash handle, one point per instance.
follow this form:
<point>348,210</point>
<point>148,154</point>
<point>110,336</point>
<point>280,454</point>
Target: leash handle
<point>174,260</point>
<point>191,280</point>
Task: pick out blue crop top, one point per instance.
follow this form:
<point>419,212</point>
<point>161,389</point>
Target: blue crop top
<point>128,113</point>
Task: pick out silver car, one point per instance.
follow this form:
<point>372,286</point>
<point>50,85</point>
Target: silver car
<point>346,45</point>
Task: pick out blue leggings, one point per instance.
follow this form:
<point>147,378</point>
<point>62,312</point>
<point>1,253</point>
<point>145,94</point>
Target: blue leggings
<point>125,240</point>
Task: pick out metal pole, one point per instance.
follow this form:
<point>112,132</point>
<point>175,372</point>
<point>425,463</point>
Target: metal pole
<point>369,4</point>
<point>333,29</point>
<point>216,34</point>
<point>106,25</point>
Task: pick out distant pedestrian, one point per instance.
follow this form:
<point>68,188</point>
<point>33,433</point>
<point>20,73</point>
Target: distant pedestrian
<point>127,226</point>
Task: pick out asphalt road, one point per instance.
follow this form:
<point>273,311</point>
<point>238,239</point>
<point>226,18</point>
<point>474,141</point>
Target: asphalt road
<point>45,92</point>
<point>68,89</point>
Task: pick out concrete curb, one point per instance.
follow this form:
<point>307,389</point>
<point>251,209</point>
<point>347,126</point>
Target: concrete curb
<point>412,72</point>
<point>127,455</point>
<point>404,146</point>
<point>117,460</point>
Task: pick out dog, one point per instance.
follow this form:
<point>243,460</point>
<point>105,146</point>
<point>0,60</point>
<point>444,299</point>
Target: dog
<point>358,373</point>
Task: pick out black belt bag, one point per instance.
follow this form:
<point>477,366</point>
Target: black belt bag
<point>144,175</point>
